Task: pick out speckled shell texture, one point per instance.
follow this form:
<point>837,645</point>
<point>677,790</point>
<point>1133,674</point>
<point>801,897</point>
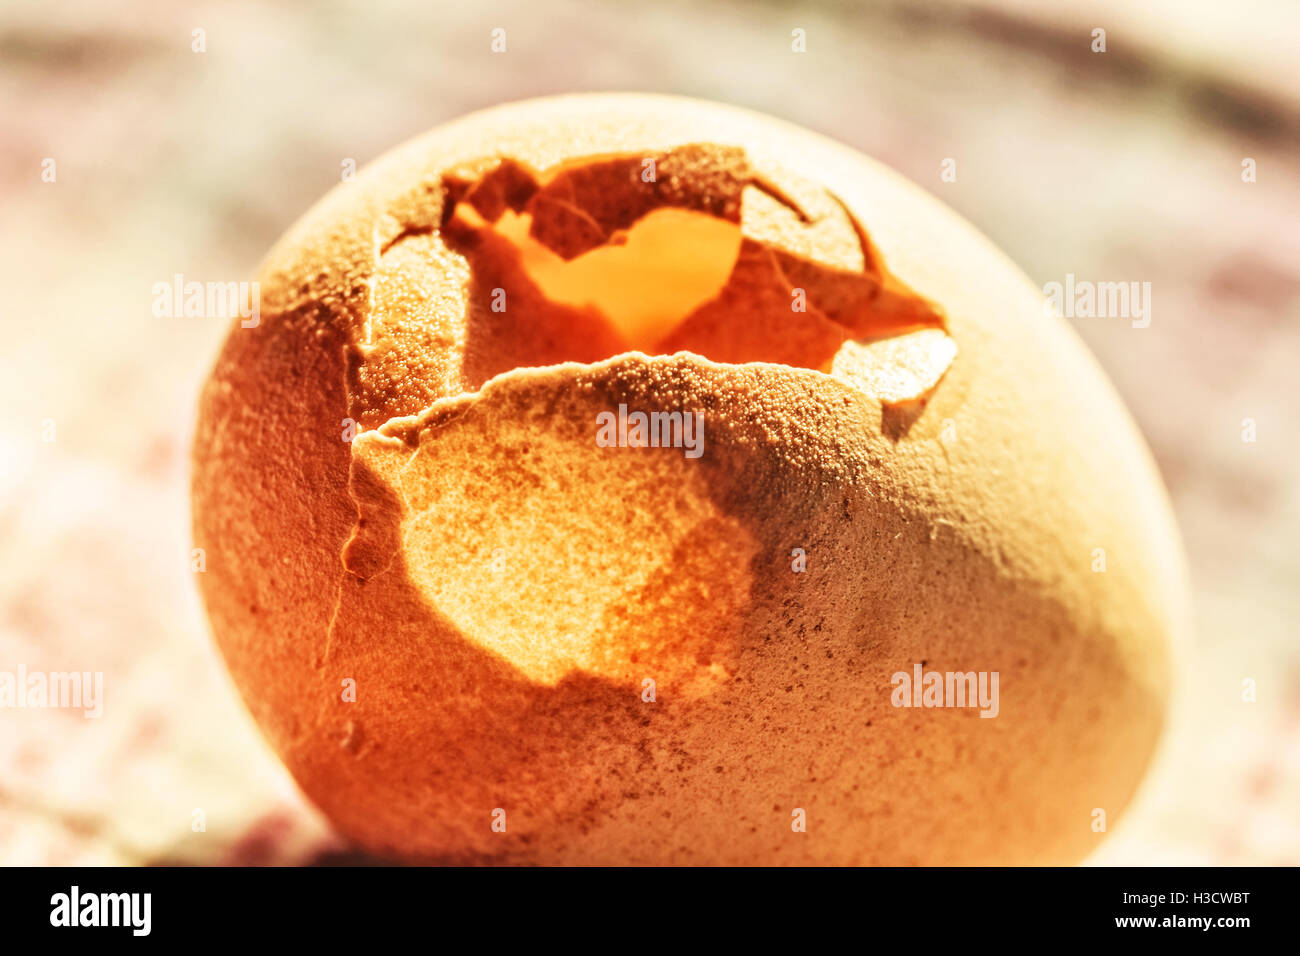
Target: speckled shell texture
<point>497,589</point>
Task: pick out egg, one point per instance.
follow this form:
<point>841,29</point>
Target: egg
<point>628,479</point>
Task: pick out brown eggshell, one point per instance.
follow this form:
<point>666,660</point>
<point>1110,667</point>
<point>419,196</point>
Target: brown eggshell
<point>498,588</point>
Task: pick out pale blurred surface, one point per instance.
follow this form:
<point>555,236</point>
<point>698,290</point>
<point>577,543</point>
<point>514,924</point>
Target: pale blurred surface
<point>1117,166</point>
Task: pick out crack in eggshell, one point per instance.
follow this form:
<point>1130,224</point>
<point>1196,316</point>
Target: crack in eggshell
<point>432,344</point>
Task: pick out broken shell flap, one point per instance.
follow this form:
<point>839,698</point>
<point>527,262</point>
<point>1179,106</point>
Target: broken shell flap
<point>564,554</point>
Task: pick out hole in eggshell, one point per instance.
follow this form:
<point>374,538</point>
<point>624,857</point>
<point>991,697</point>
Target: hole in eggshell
<point>593,259</point>
<point>645,281</point>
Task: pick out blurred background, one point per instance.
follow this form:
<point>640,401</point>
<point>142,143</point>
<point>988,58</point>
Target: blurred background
<point>1115,166</point>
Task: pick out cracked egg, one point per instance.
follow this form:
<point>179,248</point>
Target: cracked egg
<point>476,633</point>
